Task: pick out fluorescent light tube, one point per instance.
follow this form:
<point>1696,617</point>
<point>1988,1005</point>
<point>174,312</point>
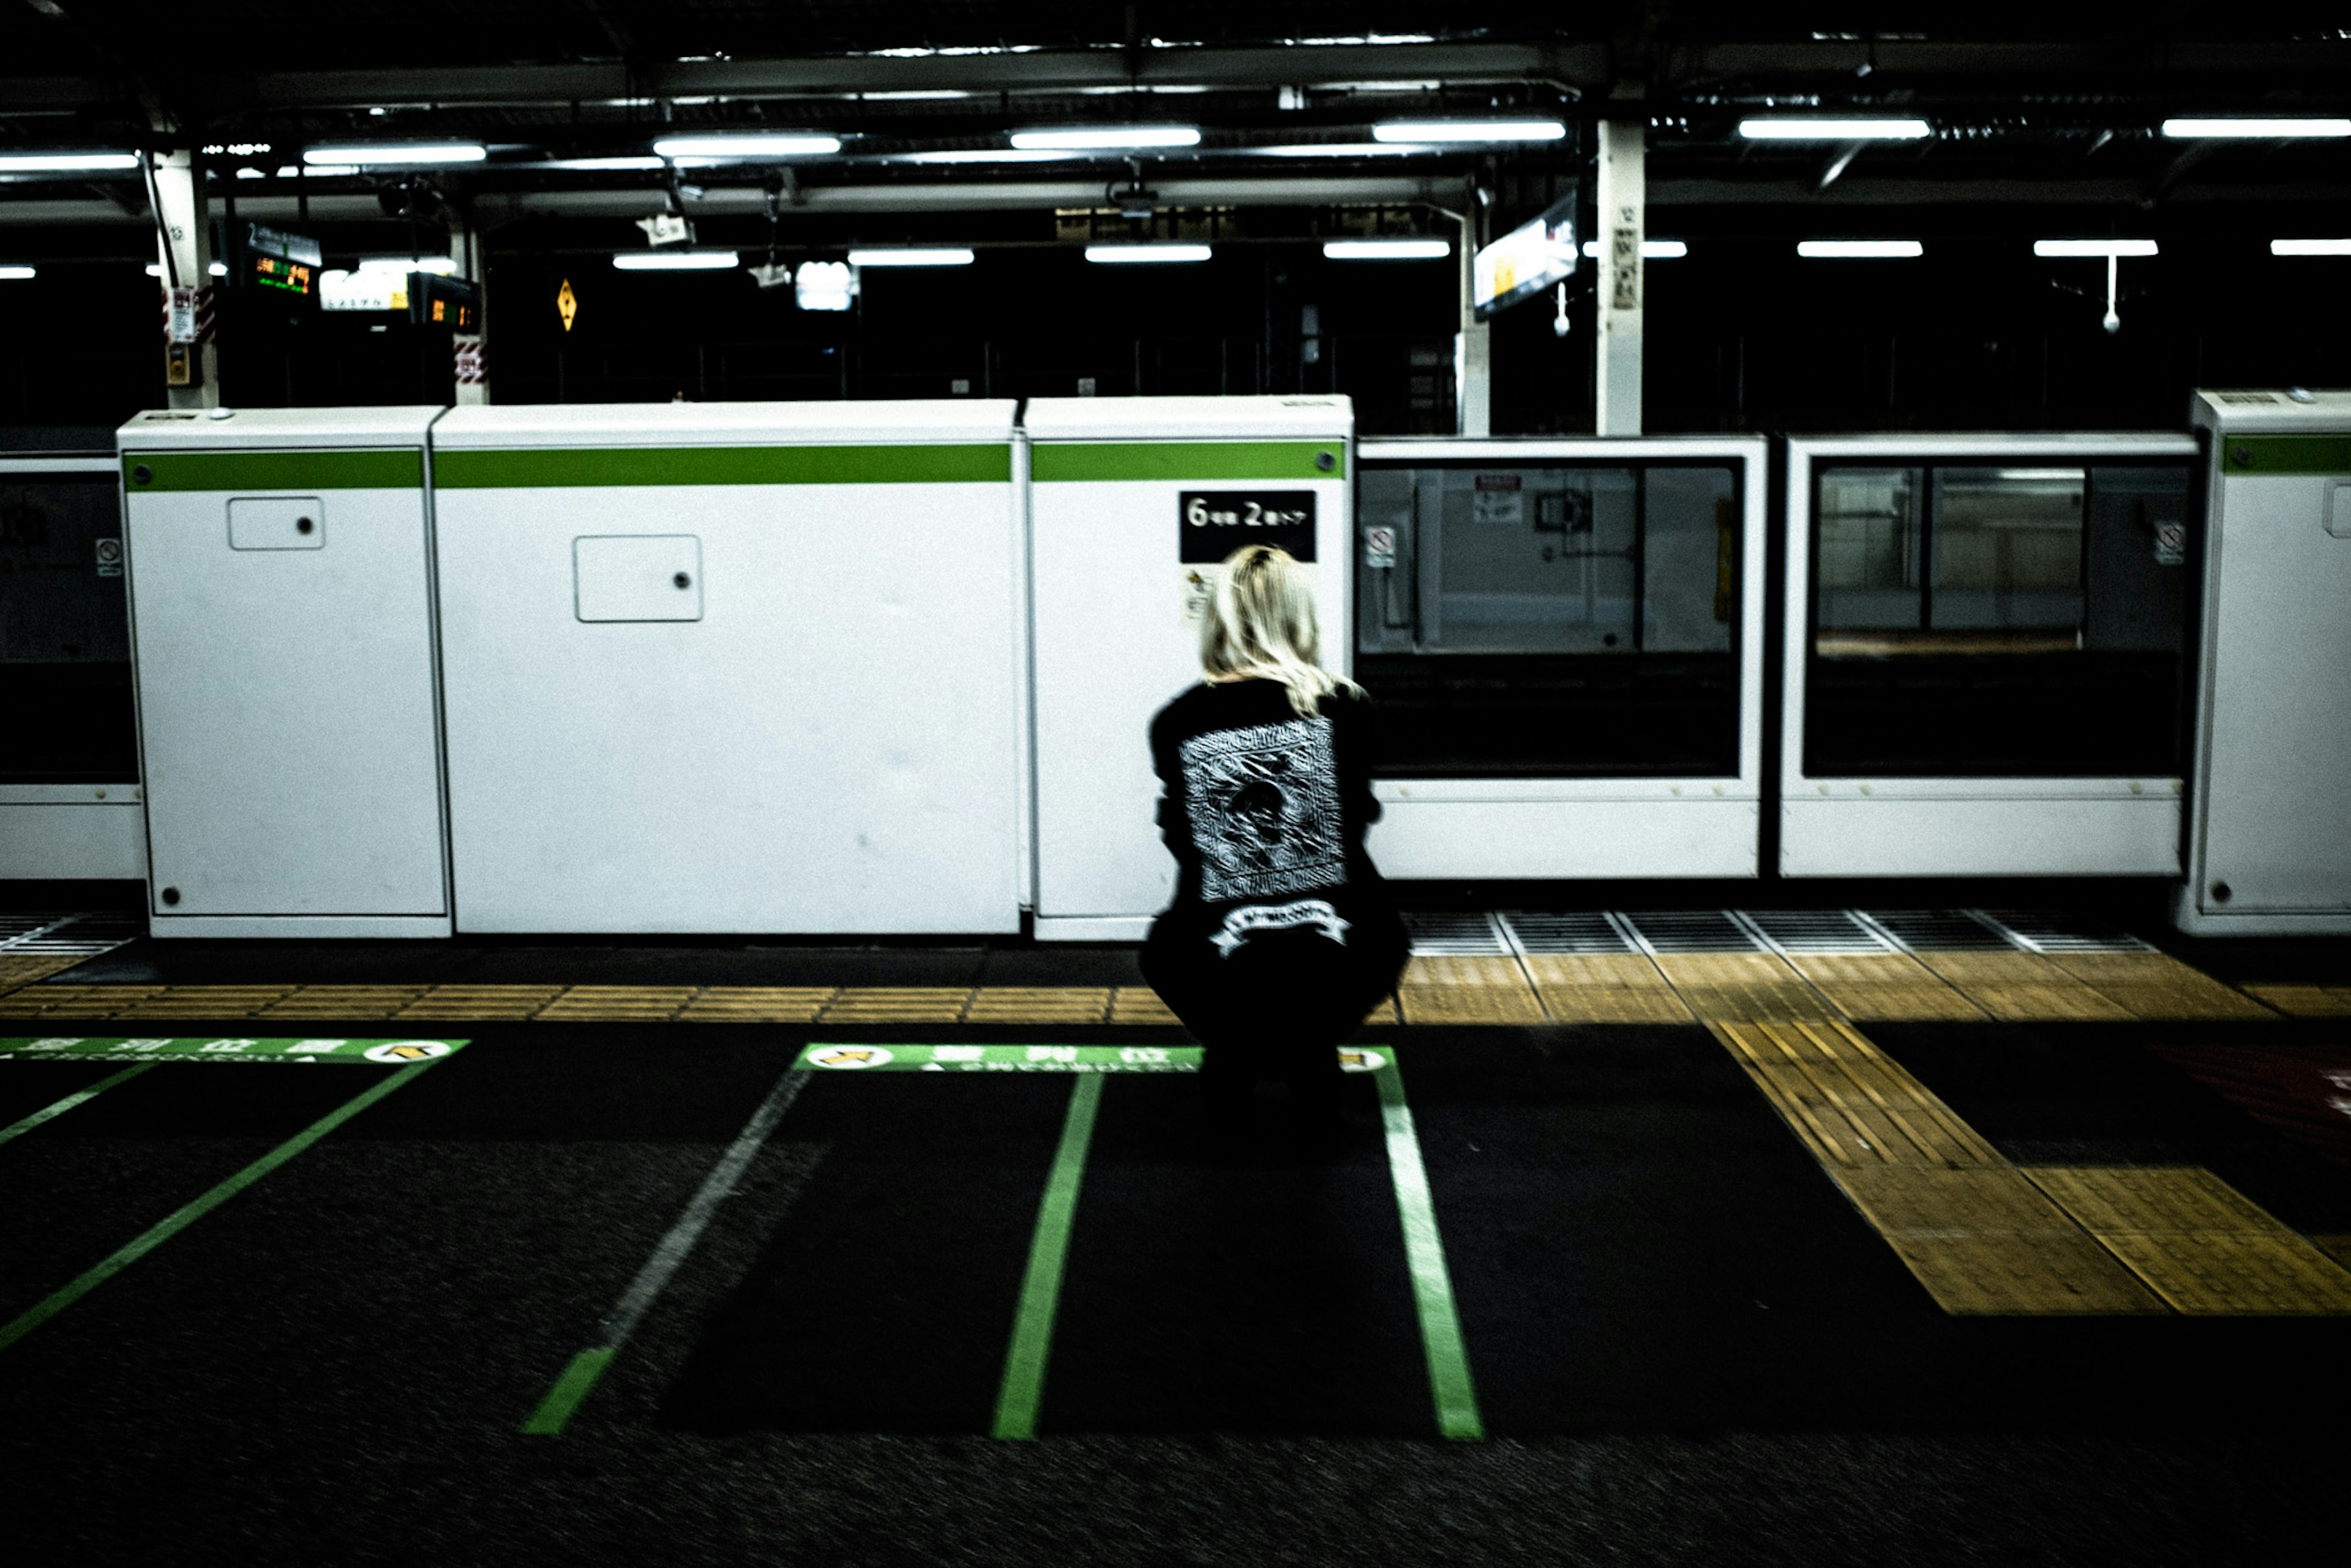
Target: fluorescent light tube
<point>1651,249</point>
<point>1083,137</point>
<point>1830,250</point>
<point>38,162</point>
<point>767,144</point>
<point>397,155</point>
<point>2094,247</point>
<point>1386,249</point>
<point>1147,252</point>
<point>2310,247</point>
<point>1470,130</point>
<point>18,272</point>
<point>1789,130</point>
<point>219,269</point>
<point>1340,150</point>
<point>2269,129</point>
<point>936,256</point>
<point>674,260</point>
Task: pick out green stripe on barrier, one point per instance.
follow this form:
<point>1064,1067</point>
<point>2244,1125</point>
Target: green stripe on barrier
<point>552,467</point>
<point>1449,1383</point>
<point>2254,456</point>
<point>393,468</point>
<point>1023,1389</point>
<point>214,1048</point>
<point>196,1208</point>
<point>1206,460</point>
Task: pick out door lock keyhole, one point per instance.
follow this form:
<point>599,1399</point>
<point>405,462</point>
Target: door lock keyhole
<point>683,581</point>
<point>304,526</point>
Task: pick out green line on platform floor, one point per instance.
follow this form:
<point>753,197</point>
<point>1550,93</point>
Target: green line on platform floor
<point>214,1048</point>
<point>17,1129</point>
<point>578,1379</point>
<point>1432,1286</point>
<point>187,1214</point>
<point>1041,1289</point>
<point>834,1057</point>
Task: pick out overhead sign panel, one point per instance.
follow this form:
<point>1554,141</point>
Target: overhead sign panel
<point>1526,261</point>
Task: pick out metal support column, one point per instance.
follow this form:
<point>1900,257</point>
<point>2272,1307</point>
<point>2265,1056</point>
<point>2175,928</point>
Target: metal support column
<point>1472,345</point>
<point>473,353</point>
<point>184,245</point>
<point>1621,208</point>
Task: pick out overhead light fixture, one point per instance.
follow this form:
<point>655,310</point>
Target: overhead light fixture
<point>2266,130</point>
<point>625,163</point>
<point>986,155</point>
<point>218,269</point>
<point>16,273</point>
<point>1470,130</point>
<point>2310,247</point>
<point>1340,150</point>
<point>769,144</point>
<point>1790,130</point>
<point>1088,138</point>
<point>674,260</point>
<point>46,162</point>
<point>2094,247</point>
<point>408,155</point>
<point>910,95</point>
<point>936,256</point>
<point>1125,253</point>
<point>1386,249</point>
<point>439,266</point>
<point>1651,249</point>
<point>1854,249</point>
<point>825,286</point>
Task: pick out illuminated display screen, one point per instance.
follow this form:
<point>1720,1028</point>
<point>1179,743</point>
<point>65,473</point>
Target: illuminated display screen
<point>276,272</point>
<point>1526,261</point>
<point>451,302</point>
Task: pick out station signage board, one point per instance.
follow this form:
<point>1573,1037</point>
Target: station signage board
<point>1526,261</point>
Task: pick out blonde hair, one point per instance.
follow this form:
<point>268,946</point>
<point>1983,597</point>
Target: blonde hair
<point>1259,625</point>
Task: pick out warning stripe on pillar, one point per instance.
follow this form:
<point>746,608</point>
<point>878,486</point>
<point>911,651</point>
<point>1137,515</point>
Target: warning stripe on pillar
<point>205,314</point>
<point>472,360</point>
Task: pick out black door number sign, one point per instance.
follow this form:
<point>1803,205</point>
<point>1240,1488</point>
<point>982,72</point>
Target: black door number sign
<point>1214,523</point>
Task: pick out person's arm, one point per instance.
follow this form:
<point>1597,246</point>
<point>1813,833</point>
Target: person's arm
<point>1354,733</point>
<point>1175,820</point>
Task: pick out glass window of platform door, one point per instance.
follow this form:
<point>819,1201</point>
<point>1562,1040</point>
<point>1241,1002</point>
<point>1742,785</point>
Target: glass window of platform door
<point>65,644</point>
<point>1996,620</point>
<point>1550,620</point>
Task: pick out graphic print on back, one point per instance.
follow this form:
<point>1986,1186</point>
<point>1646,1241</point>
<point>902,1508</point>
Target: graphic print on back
<point>1264,808</point>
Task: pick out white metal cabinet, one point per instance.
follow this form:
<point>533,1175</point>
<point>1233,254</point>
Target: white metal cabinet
<point>743,667</point>
<point>2269,840</point>
<point>282,630</point>
<point>1114,604</point>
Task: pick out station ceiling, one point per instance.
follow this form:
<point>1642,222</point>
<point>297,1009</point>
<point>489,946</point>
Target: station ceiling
<point>2028,104</point>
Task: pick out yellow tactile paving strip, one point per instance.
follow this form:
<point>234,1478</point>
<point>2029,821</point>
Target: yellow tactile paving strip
<point>23,969</point>
<point>1612,988</point>
<point>1884,988</point>
<point>2305,1001</point>
<point>2204,1247</point>
<point>2023,988</point>
<point>1985,1237</point>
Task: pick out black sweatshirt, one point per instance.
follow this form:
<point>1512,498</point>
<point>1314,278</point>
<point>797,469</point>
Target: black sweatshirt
<point>1258,804</point>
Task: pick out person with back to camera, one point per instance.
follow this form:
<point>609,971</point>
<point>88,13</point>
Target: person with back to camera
<point>1281,936</point>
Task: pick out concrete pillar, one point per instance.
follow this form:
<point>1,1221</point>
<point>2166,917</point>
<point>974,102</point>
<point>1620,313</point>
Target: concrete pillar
<point>184,245</point>
<point>1621,208</point>
<point>473,353</point>
<point>1473,381</point>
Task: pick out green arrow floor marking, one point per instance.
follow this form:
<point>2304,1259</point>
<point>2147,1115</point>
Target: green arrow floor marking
<point>1432,1286</point>
<point>51,1113</point>
<point>187,1214</point>
<point>1041,1289</point>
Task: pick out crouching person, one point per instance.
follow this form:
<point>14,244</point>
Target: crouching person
<point>1280,937</point>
